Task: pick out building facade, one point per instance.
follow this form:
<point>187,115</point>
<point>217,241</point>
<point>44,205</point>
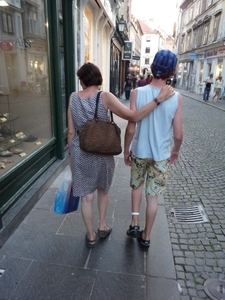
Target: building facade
<point>201,43</point>
<point>152,41</point>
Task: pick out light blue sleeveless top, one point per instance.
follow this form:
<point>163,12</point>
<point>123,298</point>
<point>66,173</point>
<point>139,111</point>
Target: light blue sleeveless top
<point>153,133</point>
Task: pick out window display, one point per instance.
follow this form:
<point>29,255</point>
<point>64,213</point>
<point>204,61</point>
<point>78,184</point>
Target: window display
<point>25,111</point>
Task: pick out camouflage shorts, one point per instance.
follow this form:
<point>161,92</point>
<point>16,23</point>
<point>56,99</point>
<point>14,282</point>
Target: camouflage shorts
<point>153,173</point>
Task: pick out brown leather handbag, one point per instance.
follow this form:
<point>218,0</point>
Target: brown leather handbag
<point>100,137</point>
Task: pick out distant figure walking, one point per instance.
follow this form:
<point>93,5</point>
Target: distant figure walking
<point>174,81</point>
<point>209,82</point>
<point>149,79</point>
<point>141,81</point>
<point>218,87</point>
<point>128,86</point>
<point>134,81</point>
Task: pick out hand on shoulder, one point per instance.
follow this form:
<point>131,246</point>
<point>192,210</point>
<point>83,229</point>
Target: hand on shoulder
<point>166,92</point>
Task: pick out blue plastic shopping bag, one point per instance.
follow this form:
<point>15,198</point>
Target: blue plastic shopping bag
<point>65,202</point>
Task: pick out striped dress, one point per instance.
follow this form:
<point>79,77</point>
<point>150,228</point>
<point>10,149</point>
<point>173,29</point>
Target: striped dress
<point>89,171</point>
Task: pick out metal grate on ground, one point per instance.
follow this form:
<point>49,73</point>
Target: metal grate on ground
<point>191,215</point>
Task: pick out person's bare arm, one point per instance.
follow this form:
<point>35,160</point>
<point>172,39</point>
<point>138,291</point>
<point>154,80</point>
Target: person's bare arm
<point>129,132</point>
<point>71,129</point>
<point>177,131</point>
<point>112,103</point>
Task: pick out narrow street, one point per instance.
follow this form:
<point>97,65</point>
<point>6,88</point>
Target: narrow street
<point>199,179</point>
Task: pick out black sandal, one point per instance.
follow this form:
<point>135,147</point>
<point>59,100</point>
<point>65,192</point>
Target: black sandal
<point>144,244</point>
<point>90,243</point>
<point>104,233</point>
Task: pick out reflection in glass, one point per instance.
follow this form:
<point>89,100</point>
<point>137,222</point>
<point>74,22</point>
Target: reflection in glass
<point>25,112</point>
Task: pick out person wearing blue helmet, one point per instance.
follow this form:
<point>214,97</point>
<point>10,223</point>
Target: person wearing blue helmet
<point>147,144</point>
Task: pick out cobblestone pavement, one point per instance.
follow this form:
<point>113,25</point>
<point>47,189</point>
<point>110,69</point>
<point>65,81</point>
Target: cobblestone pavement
<point>198,178</point>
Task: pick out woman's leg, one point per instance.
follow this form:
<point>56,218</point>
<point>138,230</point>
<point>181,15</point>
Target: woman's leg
<point>103,200</point>
<point>87,214</point>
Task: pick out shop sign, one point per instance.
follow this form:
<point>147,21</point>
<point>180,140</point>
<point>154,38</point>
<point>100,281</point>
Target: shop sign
<point>135,57</point>
<point>210,53</point>
<point>22,43</point>
<point>221,51</point>
<point>193,56</point>
<point>127,51</point>
<point>6,46</point>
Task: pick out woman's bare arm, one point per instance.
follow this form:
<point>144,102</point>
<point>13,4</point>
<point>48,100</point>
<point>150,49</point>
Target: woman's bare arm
<point>112,103</point>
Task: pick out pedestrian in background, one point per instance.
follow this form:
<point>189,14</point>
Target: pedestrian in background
<point>91,172</point>
<point>128,86</point>
<point>141,81</point>
<point>217,88</point>
<point>134,81</point>
<point>148,79</point>
<point>208,82</point>
<point>150,153</point>
<point>174,81</point>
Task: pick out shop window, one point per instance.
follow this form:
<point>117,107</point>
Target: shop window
<point>147,50</point>
<point>25,109</point>
<point>219,68</point>
<point>147,61</point>
<point>216,26</point>
<point>200,74</point>
<point>7,22</point>
<point>87,34</point>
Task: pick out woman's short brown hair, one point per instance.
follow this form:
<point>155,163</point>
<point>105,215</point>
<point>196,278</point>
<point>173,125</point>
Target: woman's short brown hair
<point>90,74</point>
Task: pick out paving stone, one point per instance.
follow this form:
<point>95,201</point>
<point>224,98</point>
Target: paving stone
<point>221,263</point>
<point>189,268</point>
<point>179,260</point>
<point>180,275</point>
<point>188,254</point>
<point>192,292</point>
<point>185,298</point>
<point>183,247</point>
<point>199,268</point>
<point>189,276</point>
<point>190,261</point>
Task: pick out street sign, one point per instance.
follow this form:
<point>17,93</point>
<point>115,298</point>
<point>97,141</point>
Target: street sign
<point>127,51</point>
<point>135,57</point>
<point>193,55</point>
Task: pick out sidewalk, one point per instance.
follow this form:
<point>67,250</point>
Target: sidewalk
<point>199,97</point>
<point>46,257</point>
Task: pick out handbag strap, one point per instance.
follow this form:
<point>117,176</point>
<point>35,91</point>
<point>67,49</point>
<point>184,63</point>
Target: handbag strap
<point>96,108</point>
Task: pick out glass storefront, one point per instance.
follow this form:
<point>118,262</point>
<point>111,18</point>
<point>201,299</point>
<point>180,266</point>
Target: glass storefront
<point>25,108</point>
<point>115,68</point>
